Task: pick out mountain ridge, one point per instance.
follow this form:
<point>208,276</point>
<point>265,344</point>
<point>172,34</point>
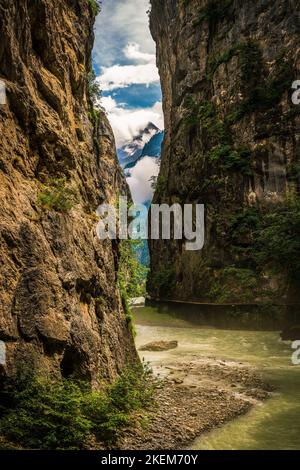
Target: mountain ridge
<point>134,149</point>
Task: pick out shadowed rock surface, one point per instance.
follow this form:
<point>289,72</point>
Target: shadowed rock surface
<point>231,139</point>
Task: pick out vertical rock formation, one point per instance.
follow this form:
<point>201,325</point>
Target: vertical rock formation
<point>232,138</point>
<point>60,309</point>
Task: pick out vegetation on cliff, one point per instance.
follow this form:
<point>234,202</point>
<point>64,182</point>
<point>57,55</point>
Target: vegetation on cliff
<point>58,195</point>
<point>95,5</point>
<point>43,413</point>
<point>230,144</point>
<point>132,274</point>
<point>132,277</point>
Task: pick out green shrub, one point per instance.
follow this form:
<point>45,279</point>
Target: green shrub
<point>234,285</point>
<point>250,61</point>
<point>132,274</point>
<point>215,11</point>
<point>215,61</point>
<point>228,158</point>
<point>251,64</point>
<point>293,171</point>
<point>160,185</point>
<point>163,281</point>
<point>110,412</point>
<point>204,113</point>
<point>278,241</point>
<point>224,154</point>
<point>95,6</point>
<point>277,84</point>
<point>209,118</point>
<point>261,94</point>
<point>269,239</point>
<point>133,390</point>
<point>130,323</point>
<point>127,310</point>
<point>94,89</point>
<point>191,116</point>
<point>132,277</point>
<point>48,414</point>
<point>243,226</point>
<point>94,116</point>
<point>58,196</point>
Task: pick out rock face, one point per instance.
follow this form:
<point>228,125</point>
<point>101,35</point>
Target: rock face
<point>291,333</point>
<point>60,309</point>
<point>232,137</point>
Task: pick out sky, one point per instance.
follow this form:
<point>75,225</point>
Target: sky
<point>125,65</point>
<point>140,182</point>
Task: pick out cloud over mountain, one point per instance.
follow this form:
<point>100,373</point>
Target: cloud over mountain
<point>127,122</point>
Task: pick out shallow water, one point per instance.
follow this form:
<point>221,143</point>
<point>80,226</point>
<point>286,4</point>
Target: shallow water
<point>275,424</point>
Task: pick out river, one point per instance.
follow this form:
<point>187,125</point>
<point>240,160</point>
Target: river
<point>273,424</point>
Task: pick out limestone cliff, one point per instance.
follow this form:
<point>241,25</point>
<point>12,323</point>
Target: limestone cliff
<point>60,309</point>
<point>232,138</point>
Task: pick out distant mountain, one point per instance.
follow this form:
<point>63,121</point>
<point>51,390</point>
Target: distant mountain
<point>146,144</point>
<point>132,151</point>
<point>151,149</point>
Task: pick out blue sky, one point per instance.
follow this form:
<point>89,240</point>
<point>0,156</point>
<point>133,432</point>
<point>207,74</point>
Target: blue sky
<point>124,60</point>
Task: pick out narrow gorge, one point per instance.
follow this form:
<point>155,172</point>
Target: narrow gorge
<point>114,334</point>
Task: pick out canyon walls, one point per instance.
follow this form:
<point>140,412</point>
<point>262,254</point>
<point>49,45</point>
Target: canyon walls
<point>60,308</point>
<point>232,143</point>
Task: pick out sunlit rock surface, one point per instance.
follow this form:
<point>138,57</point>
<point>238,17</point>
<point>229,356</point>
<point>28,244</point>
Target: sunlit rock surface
<point>60,309</point>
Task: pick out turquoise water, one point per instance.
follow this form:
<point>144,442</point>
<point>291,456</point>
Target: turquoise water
<point>275,424</point>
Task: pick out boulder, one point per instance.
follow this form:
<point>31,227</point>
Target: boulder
<point>159,346</point>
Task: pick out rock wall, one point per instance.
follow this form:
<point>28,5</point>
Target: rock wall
<point>232,137</point>
<point>60,309</point>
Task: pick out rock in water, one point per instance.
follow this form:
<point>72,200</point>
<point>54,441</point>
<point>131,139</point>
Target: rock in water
<point>159,346</point>
<point>137,302</point>
<point>60,309</point>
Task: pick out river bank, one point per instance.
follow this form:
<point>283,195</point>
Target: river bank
<point>194,398</point>
<point>199,391</point>
<point>219,387</point>
<point>230,360</point>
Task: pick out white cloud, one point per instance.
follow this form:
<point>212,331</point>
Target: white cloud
<point>108,103</point>
<point>124,54</point>
<point>127,123</point>
<point>133,51</point>
<point>122,76</point>
<point>119,23</point>
<point>140,179</point>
